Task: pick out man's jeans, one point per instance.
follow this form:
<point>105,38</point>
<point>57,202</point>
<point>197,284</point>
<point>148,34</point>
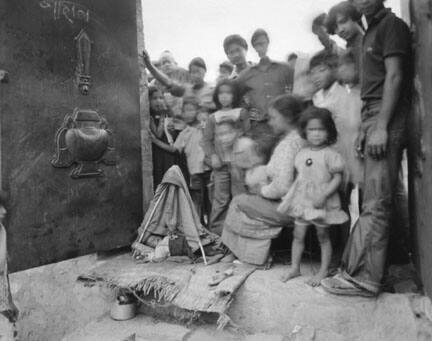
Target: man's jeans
<point>364,257</point>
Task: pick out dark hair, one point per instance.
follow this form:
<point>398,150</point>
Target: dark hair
<point>326,119</point>
<point>344,8</point>
<point>292,56</point>
<point>151,90</point>
<point>235,91</point>
<point>259,33</point>
<point>319,21</point>
<point>264,139</point>
<point>227,65</point>
<point>199,62</point>
<point>234,39</point>
<point>289,106</point>
<point>191,100</point>
<point>324,58</point>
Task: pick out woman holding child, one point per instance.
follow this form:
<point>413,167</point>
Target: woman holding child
<point>253,220</point>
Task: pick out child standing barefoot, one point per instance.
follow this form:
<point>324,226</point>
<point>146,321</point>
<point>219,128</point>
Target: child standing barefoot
<point>313,198</point>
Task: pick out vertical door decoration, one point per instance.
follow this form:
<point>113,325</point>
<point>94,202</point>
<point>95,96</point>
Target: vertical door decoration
<point>82,70</point>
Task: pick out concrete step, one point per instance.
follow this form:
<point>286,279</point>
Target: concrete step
<point>144,328</point>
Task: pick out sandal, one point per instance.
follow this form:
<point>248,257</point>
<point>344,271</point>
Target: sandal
<point>338,285</point>
<point>220,277</point>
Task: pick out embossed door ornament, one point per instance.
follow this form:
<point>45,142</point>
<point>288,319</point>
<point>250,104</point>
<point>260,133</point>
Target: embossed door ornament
<point>84,140</point>
<point>82,69</point>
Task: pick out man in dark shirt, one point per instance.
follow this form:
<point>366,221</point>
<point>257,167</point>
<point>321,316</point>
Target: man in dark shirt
<point>386,82</point>
<point>264,81</point>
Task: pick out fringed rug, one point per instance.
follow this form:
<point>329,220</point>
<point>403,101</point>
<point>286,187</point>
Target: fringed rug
<point>183,285</point>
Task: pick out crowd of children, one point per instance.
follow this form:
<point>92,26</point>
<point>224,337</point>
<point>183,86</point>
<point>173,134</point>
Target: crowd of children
<point>345,127</point>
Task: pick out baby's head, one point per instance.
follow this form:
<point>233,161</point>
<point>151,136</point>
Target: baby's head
<point>317,127</point>
<point>255,148</point>
<point>322,68</point>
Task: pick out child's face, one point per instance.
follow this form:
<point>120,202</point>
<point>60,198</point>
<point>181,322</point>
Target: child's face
<point>197,74</point>
<point>345,27</point>
<point>190,112</point>
<point>261,45</point>
<point>226,134</point>
<point>167,64</point>
<point>225,96</point>
<point>202,118</point>
<point>157,102</point>
<point>224,73</point>
<point>278,123</point>
<point>316,133</point>
<point>322,76</point>
<point>347,73</point>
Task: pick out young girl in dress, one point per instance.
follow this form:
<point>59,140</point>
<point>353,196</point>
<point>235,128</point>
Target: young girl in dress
<point>227,100</point>
<point>313,199</point>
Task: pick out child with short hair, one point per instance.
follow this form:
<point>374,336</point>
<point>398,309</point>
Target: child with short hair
<point>225,70</point>
<point>189,141</point>
<point>344,107</point>
<point>313,198</point>
<point>227,99</point>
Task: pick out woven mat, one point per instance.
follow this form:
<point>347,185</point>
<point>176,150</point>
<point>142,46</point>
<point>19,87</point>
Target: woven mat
<point>184,285</point>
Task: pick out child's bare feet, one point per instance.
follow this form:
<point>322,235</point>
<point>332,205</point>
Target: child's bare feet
<point>315,281</point>
<point>292,273</point>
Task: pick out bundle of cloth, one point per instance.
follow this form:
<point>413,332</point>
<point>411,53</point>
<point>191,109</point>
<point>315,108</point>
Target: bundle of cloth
<point>172,227</point>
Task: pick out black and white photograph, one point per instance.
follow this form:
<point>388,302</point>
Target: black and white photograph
<point>215,170</point>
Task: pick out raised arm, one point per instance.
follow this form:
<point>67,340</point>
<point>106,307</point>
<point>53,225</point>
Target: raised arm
<point>162,144</point>
<point>173,87</point>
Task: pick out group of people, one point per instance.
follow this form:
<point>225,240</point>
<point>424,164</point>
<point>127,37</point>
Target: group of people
<point>261,154</point>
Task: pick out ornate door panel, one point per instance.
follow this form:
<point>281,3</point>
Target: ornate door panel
<point>70,127</point>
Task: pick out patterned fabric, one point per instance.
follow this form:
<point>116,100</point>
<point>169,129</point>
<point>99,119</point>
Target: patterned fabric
<point>280,169</point>
<point>315,169</point>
